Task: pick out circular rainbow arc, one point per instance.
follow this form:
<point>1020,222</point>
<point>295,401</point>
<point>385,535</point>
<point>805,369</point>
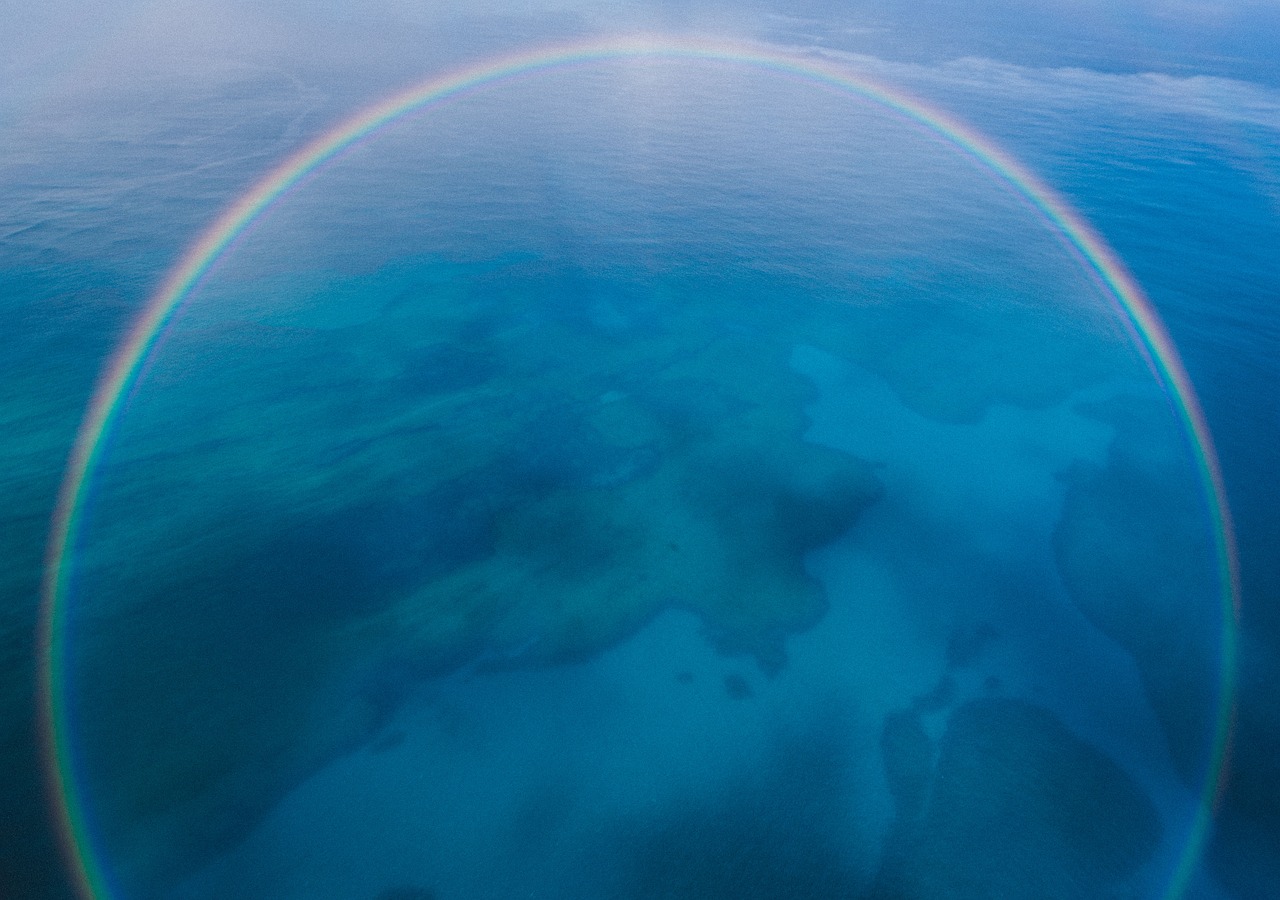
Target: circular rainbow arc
<point>123,369</point>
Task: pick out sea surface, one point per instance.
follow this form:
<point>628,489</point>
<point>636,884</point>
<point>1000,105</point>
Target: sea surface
<point>647,479</point>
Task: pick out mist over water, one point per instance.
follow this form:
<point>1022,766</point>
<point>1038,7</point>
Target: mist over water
<point>643,479</point>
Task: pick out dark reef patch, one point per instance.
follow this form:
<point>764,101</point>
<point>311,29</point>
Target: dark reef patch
<point>1016,807</point>
<point>388,741</point>
<point>446,368</point>
<point>405,893</point>
<point>965,647</point>
<point>908,762</point>
<point>543,813</point>
<point>736,687</point>
<point>777,834</point>
<point>562,448</point>
<point>943,694</point>
<point>1135,551</point>
<point>495,481</point>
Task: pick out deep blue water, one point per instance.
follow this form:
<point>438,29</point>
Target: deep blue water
<point>649,481</point>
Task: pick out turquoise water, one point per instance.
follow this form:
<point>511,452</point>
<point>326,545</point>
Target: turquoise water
<point>657,481</point>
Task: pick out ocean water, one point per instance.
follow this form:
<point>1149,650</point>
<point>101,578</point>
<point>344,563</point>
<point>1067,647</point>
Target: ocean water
<point>656,479</point>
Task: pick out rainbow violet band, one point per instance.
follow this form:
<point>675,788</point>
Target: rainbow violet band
<point>122,372</point>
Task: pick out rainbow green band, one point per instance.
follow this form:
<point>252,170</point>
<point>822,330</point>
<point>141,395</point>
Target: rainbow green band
<point>123,370</point>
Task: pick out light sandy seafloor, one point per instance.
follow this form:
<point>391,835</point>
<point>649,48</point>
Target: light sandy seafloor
<point>550,782</point>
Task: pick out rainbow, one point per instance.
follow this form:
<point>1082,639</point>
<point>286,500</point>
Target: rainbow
<point>123,371</point>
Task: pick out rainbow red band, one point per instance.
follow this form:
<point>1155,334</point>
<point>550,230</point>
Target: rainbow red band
<point>123,370</point>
